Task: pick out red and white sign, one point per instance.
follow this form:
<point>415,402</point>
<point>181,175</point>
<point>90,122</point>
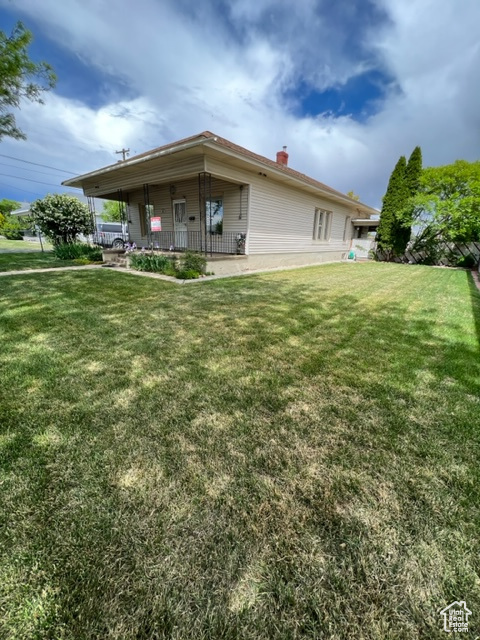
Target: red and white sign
<point>156,223</point>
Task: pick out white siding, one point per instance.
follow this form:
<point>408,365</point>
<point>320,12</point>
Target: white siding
<point>235,202</point>
<point>234,206</point>
<point>281,216</point>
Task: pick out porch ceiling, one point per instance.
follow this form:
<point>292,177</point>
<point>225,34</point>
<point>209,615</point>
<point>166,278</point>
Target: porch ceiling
<point>365,222</point>
<point>126,176</point>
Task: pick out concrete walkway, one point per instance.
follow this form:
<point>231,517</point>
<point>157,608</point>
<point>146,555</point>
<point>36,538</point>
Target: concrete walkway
<point>476,278</point>
<point>23,272</point>
<point>159,276</point>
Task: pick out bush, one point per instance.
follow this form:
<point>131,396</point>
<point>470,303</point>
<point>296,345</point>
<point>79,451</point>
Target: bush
<point>187,274</point>
<point>467,262</point>
<point>81,261</point>
<point>153,263</point>
<point>77,251</point>
<point>191,261</point>
<point>191,265</point>
<point>12,230</point>
<point>62,217</point>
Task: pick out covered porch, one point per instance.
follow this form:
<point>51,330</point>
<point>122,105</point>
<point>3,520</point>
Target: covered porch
<point>202,213</point>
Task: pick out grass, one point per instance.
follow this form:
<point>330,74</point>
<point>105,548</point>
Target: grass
<point>21,245</point>
<point>31,260</point>
<point>288,455</point>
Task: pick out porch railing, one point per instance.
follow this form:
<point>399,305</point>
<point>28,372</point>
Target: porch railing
<point>230,243</point>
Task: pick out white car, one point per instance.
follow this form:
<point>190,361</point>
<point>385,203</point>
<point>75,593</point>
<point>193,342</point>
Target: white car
<point>111,234</point>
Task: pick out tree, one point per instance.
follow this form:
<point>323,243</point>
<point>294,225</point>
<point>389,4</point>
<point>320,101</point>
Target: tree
<point>7,206</point>
<point>353,196</point>
<point>112,211</point>
<point>62,217</point>
<point>413,172</point>
<point>20,78</point>
<point>447,205</point>
<point>394,201</point>
<point>11,227</point>
<point>396,217</point>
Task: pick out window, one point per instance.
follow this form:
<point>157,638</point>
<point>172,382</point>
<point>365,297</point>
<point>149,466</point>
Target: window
<point>112,227</point>
<point>145,211</point>
<point>322,224</point>
<point>214,213</point>
<point>347,232</point>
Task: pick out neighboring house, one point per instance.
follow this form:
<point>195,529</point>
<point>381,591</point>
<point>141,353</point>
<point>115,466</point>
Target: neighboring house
<point>22,214</point>
<point>208,194</point>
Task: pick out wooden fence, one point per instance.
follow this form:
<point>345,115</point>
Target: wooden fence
<point>447,254</point>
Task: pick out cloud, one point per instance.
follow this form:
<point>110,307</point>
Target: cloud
<point>226,67</point>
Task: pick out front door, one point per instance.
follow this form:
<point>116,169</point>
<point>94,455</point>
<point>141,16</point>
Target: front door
<point>180,224</point>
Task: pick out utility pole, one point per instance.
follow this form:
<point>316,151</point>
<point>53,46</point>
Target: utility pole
<point>124,153</point>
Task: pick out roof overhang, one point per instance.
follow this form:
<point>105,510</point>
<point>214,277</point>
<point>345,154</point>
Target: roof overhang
<point>365,222</point>
<point>123,166</point>
<point>253,164</point>
<point>202,148</point>
<point>20,212</point>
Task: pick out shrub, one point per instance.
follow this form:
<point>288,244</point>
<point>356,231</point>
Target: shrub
<point>187,274</point>
<point>11,228</point>
<point>153,263</point>
<point>191,265</point>
<point>62,217</point>
<point>467,262</point>
<point>191,261</point>
<point>77,251</point>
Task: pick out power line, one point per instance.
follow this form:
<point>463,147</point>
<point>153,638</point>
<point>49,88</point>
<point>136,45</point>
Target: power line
<point>5,164</point>
<point>9,186</point>
<point>45,166</point>
<point>49,184</point>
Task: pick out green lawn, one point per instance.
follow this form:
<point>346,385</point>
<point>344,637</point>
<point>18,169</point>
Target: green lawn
<point>21,245</point>
<point>287,455</point>
<point>31,260</point>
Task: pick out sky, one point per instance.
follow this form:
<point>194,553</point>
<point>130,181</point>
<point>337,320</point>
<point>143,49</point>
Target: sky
<point>348,86</point>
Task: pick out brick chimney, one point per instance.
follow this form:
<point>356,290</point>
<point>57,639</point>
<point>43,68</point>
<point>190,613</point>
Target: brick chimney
<point>282,156</point>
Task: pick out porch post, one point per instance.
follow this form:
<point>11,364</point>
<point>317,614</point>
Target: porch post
<point>204,194</point>
<point>146,201</point>
<point>93,217</point>
<point>122,207</point>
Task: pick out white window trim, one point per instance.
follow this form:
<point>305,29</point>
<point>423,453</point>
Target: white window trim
<point>322,225</point>
<point>347,231</point>
<point>213,199</point>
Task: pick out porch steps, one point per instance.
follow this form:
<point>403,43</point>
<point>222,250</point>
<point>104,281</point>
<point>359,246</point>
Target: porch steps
<point>114,257</point>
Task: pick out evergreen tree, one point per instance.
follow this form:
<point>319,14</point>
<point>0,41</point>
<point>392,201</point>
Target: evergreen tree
<point>413,172</point>
<point>394,201</point>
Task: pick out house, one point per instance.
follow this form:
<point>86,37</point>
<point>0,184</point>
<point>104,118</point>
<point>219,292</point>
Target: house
<point>455,617</point>
<point>208,194</point>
